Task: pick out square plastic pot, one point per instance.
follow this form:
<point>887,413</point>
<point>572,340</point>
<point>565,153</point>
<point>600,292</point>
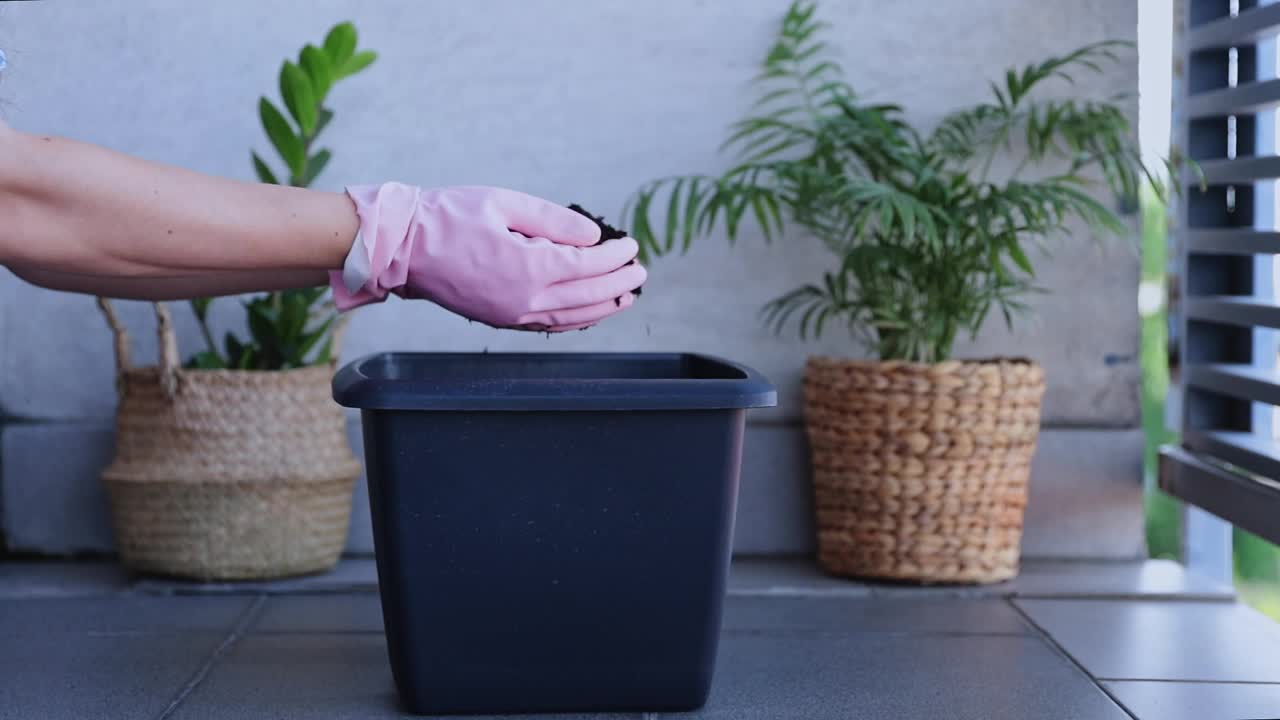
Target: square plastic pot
<point>552,531</point>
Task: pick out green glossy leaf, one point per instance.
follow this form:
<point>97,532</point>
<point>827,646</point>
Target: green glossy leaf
<point>340,43</point>
<point>299,96</point>
<point>323,117</point>
<point>762,216</point>
<point>294,315</point>
<point>263,322</point>
<point>907,217</point>
<point>1020,258</point>
<point>282,136</point>
<point>358,62</point>
<point>640,221</point>
<point>673,214</point>
<point>200,306</point>
<point>319,70</point>
<point>264,173</point>
<point>692,205</point>
<point>206,360</point>
<point>315,166</point>
<point>233,348</point>
<point>326,352</point>
<point>309,341</point>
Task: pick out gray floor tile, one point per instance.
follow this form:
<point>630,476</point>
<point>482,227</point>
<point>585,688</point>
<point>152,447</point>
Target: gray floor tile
<point>792,576</point>
<point>321,613</point>
<point>307,677</point>
<point>356,574</point>
<point>1197,701</point>
<point>783,577</point>
<point>60,579</point>
<point>786,577</point>
<point>927,615</point>
<point>120,614</point>
<point>1154,640</point>
<point>870,677</point>
<point>78,676</point>
<point>1148,579</point>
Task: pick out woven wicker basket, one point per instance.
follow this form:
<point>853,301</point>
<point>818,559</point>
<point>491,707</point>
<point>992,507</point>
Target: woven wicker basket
<point>920,471</point>
<point>224,474</point>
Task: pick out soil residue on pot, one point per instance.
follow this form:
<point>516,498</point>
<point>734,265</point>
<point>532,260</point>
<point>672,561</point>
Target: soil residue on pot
<point>607,233</point>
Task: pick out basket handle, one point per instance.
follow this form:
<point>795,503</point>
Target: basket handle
<point>167,342</point>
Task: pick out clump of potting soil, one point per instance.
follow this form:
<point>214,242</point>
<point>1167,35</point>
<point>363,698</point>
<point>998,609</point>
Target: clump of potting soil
<point>607,233</point>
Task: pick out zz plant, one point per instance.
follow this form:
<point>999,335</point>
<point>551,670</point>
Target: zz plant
<point>927,237</point>
<point>291,328</point>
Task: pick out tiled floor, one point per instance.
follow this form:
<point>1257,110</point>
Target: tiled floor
<point>1064,641</point>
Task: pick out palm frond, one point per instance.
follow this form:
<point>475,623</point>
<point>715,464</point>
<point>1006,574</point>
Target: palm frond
<point>925,245</point>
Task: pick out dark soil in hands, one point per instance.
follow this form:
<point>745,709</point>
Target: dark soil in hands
<point>607,233</point>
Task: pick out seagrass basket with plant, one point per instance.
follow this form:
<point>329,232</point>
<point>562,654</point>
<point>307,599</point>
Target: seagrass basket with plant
<point>921,461</point>
<point>236,464</point>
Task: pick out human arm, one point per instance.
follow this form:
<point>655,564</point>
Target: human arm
<point>82,218</point>
<point>172,288</point>
<point>93,220</point>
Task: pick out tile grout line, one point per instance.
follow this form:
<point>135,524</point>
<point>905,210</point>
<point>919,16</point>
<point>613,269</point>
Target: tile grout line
<point>1186,682</point>
<point>1045,636</point>
<point>1169,597</point>
<point>858,593</point>
<point>836,632</point>
<point>241,627</point>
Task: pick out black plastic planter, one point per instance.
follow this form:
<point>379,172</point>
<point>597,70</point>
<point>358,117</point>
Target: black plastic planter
<point>552,531</point>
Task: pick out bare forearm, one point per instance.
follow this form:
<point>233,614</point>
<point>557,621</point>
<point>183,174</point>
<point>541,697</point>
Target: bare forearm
<point>173,287</point>
<point>68,207</point>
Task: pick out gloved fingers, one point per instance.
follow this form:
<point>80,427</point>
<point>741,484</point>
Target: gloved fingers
<point>567,328</point>
<point>535,217</point>
<point>589,291</point>
<point>586,315</point>
<point>556,328</point>
<point>574,263</point>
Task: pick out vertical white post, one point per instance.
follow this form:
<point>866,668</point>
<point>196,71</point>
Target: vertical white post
<point>1206,540</point>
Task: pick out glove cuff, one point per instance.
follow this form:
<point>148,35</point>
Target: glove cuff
<point>386,213</point>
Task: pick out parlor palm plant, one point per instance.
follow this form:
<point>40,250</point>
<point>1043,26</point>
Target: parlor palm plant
<point>921,462</point>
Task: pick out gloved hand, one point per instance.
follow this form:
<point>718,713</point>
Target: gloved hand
<point>497,256</point>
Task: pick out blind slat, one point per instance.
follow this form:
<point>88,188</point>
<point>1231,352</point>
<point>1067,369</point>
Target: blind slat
<point>1248,27</point>
<point>1240,100</point>
<point>1239,381</point>
<point>1232,242</point>
<point>1248,502</point>
<point>1254,453</point>
<point>1248,169</point>
<point>1233,310</point>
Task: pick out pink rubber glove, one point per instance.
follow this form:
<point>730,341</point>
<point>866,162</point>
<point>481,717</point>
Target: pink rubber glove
<point>497,256</point>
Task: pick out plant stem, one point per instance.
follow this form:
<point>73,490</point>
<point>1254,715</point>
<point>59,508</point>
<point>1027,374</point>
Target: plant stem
<point>307,139</point>
<point>208,338</point>
<point>1021,166</point>
<point>991,156</point>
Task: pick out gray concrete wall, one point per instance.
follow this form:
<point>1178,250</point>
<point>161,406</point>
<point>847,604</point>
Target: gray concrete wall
<point>577,101</point>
